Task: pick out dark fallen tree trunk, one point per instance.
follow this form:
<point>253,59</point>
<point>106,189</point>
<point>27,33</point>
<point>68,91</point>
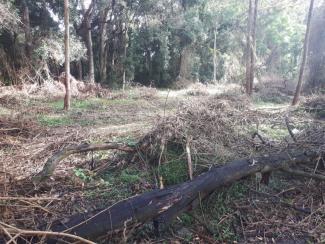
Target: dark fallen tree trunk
<point>161,206</point>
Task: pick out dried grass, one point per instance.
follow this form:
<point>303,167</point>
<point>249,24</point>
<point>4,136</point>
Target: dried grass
<point>219,129</point>
<point>213,126</point>
<point>315,102</point>
<point>222,127</point>
<point>51,90</point>
<point>197,89</point>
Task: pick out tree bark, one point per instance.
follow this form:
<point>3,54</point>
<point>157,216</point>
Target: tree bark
<point>27,30</point>
<point>90,53</point>
<point>248,46</point>
<point>215,56</point>
<point>304,56</point>
<point>67,56</point>
<point>162,205</point>
<point>125,56</point>
<point>253,50</point>
<point>79,67</point>
<point>102,46</point>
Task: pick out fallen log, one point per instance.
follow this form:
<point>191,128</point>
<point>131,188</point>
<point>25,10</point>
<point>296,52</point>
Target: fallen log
<point>53,161</point>
<point>162,205</point>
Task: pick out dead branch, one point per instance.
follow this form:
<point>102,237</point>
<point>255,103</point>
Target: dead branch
<point>189,159</point>
<point>53,161</point>
<point>305,174</point>
<point>29,199</point>
<point>289,129</point>
<point>11,230</point>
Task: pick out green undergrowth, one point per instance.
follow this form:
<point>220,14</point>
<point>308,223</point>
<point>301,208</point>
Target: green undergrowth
<point>219,214</point>
<point>269,104</point>
<point>274,132</point>
<point>90,103</point>
<point>55,120</point>
<point>124,180</point>
<point>93,103</point>
<point>174,168</point>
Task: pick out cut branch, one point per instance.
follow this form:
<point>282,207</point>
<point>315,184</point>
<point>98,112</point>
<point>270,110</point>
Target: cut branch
<point>11,230</point>
<point>289,129</point>
<point>305,174</point>
<point>162,205</point>
<point>53,161</point>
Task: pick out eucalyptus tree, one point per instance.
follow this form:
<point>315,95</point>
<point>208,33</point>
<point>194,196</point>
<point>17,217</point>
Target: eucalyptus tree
<point>315,77</point>
<point>67,97</point>
<point>304,55</point>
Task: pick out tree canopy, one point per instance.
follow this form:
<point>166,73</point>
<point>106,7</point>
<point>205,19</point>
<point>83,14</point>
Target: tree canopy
<point>152,42</point>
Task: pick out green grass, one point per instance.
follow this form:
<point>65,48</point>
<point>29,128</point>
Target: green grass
<point>275,133</point>
<point>4,111</point>
<point>269,104</point>
<point>94,103</point>
<point>123,180</point>
<point>122,101</point>
<point>220,206</point>
<point>129,176</point>
<point>55,120</point>
<point>174,169</point>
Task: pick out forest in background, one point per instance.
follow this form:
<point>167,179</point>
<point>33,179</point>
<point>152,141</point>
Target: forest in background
<point>157,43</point>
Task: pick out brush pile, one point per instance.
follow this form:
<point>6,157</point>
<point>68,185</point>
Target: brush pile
<point>315,105</point>
<point>216,128</point>
<point>221,128</point>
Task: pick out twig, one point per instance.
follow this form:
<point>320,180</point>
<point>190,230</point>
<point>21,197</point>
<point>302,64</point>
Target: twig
<point>165,105</point>
<point>256,134</point>
<point>304,174</point>
<point>289,129</point>
<point>29,199</point>
<point>52,162</point>
<point>317,210</point>
<point>277,199</point>
<point>20,232</point>
<point>189,159</point>
<point>200,221</point>
<point>9,129</point>
<point>37,206</point>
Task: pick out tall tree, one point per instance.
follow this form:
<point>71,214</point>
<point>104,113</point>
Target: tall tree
<point>87,14</point>
<point>315,78</point>
<point>215,56</point>
<point>249,46</point>
<point>28,37</point>
<point>304,55</point>
<point>67,56</point>
<point>253,50</point>
<point>103,19</point>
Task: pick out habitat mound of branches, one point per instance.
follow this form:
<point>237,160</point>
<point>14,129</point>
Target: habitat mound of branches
<point>214,128</point>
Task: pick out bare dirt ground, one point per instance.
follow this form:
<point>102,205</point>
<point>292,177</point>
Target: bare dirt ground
<point>287,211</point>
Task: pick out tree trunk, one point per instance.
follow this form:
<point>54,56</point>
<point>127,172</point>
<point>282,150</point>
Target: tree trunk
<point>253,50</point>
<point>67,56</point>
<point>102,46</point>
<point>90,53</point>
<point>185,63</point>
<point>28,36</point>
<point>162,205</point>
<point>125,56</point>
<point>304,56</point>
<point>215,56</point>
<point>79,67</point>
<point>248,47</point>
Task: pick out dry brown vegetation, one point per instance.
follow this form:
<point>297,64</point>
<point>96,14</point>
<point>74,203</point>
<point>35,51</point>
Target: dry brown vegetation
<point>217,128</point>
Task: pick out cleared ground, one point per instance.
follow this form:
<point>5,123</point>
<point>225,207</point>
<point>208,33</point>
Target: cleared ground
<point>33,129</point>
